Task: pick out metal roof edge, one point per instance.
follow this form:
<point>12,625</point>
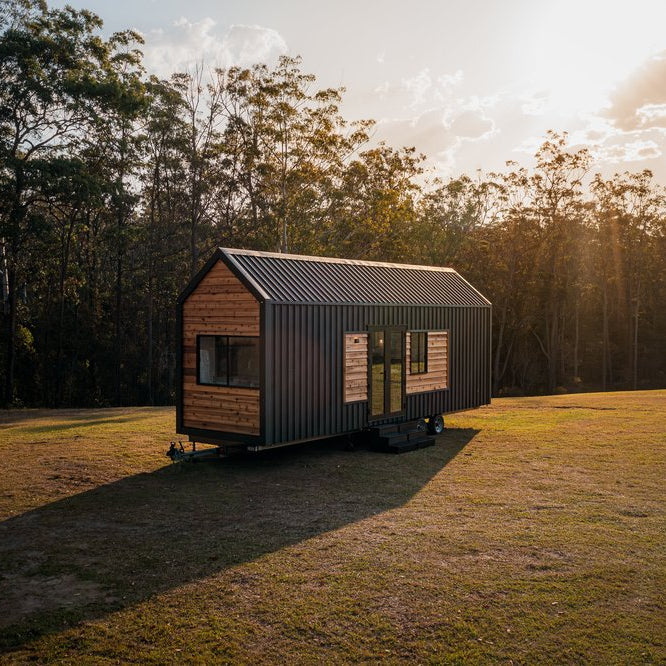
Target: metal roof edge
<point>334,260</point>
<point>473,288</point>
<point>486,304</point>
<point>229,259</point>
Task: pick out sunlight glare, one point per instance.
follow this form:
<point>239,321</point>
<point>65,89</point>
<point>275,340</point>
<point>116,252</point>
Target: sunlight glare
<point>578,51</point>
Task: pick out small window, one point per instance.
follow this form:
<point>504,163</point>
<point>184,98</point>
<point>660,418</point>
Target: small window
<point>418,352</point>
<point>228,361</point>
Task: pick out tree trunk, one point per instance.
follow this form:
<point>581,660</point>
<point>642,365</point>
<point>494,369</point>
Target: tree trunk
<point>117,326</point>
<point>4,277</point>
<point>635,359</point>
<point>576,339</point>
<point>553,357</point>
<point>64,265</point>
<point>604,344</point>
<point>151,397</point>
<point>11,337</point>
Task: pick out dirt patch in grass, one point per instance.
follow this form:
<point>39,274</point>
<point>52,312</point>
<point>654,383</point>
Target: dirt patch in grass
<point>532,532</point>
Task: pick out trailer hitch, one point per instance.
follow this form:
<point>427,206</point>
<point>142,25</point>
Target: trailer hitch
<point>174,452</point>
<point>178,453</point>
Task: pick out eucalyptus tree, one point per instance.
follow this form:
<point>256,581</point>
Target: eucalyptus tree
<point>629,219</point>
<point>374,212</point>
<point>449,214</point>
<point>165,264</point>
<point>559,211</point>
<point>56,73</point>
<point>200,123</point>
<point>288,146</point>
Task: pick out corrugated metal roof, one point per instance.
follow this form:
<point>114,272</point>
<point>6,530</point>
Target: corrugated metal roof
<point>292,278</point>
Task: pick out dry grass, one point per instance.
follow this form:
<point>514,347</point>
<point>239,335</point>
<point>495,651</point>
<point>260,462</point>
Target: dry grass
<point>532,533</point>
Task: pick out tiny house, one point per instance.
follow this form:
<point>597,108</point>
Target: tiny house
<point>276,349</point>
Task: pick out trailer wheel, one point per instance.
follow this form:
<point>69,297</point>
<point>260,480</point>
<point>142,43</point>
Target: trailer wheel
<point>421,425</point>
<point>436,425</point>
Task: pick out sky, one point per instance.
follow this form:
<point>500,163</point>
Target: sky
<point>469,83</point>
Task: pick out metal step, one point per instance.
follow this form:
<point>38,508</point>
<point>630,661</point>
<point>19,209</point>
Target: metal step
<point>409,426</point>
<point>400,437</point>
<point>403,444</point>
<point>392,437</point>
<point>426,441</point>
<point>402,447</point>
<point>389,428</point>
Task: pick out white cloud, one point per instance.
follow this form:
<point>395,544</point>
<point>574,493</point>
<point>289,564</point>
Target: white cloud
<point>421,91</point>
<point>652,115</point>
<point>417,87</point>
<point>640,100</point>
<point>438,133</point>
<point>383,89</point>
<point>249,44</point>
<point>460,132</point>
<point>633,151</point>
<point>535,104</point>
<point>187,42</point>
<point>471,125</point>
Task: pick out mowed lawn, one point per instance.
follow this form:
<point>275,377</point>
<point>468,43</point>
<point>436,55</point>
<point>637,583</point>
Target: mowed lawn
<point>533,532</point>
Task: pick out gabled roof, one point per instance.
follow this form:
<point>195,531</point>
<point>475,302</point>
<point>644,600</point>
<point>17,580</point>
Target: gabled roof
<point>292,278</point>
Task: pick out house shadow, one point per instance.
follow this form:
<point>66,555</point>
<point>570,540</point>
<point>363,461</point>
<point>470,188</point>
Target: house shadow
<point>116,545</point>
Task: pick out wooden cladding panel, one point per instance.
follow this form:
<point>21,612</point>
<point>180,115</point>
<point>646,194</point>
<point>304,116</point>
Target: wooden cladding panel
<point>437,377</point>
<point>220,305</point>
<point>356,367</point>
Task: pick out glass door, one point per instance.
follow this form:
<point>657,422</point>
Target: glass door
<point>387,372</point>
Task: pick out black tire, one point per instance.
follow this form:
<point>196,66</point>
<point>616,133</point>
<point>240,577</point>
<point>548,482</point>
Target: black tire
<point>421,425</point>
<point>436,425</point>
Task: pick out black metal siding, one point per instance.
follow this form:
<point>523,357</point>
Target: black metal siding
<point>304,365</point>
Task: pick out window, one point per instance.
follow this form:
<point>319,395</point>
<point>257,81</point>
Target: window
<point>225,360</point>
<point>418,352</point>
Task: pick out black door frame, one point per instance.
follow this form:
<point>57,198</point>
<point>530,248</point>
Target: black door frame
<point>387,330</point>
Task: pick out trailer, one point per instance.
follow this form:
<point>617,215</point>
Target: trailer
<point>277,349</point>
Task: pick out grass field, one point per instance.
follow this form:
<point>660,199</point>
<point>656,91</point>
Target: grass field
<point>533,532</point>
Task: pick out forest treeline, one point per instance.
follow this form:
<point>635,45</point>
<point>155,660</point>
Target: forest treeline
<point>116,185</point>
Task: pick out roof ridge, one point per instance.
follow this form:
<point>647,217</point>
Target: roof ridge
<point>334,260</point>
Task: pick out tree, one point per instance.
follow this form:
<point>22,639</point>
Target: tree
<point>373,214</point>
<point>628,214</point>
<point>287,147</point>
<point>54,72</point>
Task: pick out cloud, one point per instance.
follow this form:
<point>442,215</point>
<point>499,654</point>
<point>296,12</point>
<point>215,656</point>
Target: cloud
<point>634,151</point>
<point>421,91</point>
<point>639,102</point>
<point>249,44</point>
<point>461,132</point>
<point>437,132</point>
<point>535,104</point>
<point>471,125</point>
<point>383,89</point>
<point>417,87</point>
<point>187,42</point>
<point>635,146</point>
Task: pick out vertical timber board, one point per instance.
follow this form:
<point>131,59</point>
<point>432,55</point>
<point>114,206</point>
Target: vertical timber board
<point>219,305</point>
<point>356,367</point>
<point>437,376</point>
